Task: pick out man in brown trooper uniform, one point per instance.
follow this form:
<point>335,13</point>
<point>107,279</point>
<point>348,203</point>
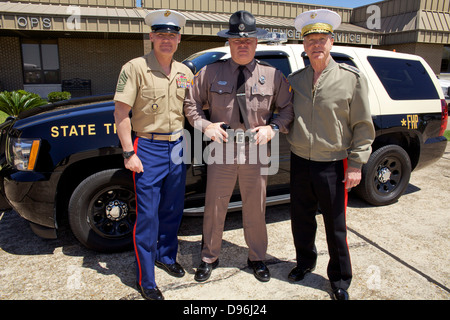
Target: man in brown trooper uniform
<point>330,139</point>
<point>153,87</point>
<point>240,92</point>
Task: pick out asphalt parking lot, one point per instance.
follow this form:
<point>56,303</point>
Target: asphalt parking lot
<point>399,252</point>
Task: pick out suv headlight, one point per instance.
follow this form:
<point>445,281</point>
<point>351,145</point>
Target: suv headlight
<point>24,153</point>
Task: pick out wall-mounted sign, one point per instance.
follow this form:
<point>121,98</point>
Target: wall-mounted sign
<point>338,37</point>
<point>34,23</point>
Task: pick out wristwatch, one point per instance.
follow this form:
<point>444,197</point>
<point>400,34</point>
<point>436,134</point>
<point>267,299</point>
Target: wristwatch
<point>127,154</point>
<point>274,126</point>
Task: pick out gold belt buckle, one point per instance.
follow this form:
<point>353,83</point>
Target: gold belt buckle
<point>174,137</point>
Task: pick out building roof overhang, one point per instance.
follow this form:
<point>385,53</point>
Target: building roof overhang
<point>24,19</point>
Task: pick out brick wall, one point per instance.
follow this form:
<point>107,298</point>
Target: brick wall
<point>432,53</point>
<point>99,60</point>
<point>186,48</point>
<point>10,64</point>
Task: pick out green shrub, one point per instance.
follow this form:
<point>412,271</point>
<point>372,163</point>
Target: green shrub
<point>58,96</point>
<point>14,102</point>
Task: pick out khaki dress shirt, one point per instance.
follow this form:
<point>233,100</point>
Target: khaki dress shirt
<point>156,99</point>
<point>214,88</point>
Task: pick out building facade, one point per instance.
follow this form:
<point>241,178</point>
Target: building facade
<point>44,43</point>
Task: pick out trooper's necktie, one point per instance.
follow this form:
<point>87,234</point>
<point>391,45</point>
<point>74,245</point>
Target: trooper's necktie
<point>240,92</point>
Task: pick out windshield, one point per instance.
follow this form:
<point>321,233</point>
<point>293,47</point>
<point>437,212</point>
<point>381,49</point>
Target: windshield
<point>201,59</point>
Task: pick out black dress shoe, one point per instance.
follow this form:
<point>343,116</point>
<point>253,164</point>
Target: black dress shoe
<point>298,273</point>
<point>174,269</point>
<point>150,294</point>
<point>340,294</point>
<point>260,270</point>
<point>204,270</point>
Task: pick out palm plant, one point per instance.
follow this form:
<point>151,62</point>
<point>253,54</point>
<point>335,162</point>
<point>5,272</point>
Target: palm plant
<point>14,102</point>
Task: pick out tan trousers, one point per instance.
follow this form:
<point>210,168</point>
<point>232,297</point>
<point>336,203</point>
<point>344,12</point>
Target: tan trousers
<point>221,180</point>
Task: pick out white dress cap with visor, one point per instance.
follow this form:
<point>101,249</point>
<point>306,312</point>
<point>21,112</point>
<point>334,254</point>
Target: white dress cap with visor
<point>317,21</point>
<point>165,20</point>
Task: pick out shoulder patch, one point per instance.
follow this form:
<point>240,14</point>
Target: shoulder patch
<point>349,68</point>
<point>123,78</point>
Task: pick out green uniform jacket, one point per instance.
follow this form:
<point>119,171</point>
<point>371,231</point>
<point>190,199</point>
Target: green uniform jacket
<point>332,119</point>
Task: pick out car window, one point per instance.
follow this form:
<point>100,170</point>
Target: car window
<point>277,59</point>
<point>404,79</point>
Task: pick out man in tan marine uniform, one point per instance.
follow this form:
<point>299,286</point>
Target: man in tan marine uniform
<point>153,87</point>
<point>240,92</point>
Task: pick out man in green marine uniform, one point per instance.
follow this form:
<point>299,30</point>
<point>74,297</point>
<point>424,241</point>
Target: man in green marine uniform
<point>330,139</point>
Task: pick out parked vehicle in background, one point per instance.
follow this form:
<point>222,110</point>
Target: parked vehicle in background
<point>445,85</point>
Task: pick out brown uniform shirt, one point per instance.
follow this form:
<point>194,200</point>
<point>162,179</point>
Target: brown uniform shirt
<point>156,99</point>
<point>214,87</point>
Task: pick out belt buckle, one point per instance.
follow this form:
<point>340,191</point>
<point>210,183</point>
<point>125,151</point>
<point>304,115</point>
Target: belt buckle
<point>240,137</point>
<point>174,137</point>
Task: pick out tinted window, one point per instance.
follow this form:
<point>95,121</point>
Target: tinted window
<point>280,62</point>
<point>404,79</point>
<point>40,62</point>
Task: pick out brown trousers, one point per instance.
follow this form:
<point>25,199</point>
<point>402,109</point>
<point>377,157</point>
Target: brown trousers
<point>220,184</point>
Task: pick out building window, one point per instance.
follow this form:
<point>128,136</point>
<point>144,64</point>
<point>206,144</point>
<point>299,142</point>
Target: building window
<point>445,66</point>
<point>40,62</point>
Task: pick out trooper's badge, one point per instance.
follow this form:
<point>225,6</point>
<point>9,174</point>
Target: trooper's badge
<point>154,107</point>
<point>262,79</point>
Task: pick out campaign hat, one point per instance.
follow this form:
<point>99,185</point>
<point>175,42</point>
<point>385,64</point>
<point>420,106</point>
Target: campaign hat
<point>242,24</point>
<point>165,20</point>
<point>317,21</point>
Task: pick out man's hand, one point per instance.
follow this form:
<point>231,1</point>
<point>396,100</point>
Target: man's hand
<point>352,177</point>
<point>263,134</point>
<point>215,132</point>
<point>134,164</point>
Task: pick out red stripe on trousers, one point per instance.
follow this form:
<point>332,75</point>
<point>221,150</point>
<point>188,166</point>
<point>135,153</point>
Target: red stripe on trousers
<point>134,229</point>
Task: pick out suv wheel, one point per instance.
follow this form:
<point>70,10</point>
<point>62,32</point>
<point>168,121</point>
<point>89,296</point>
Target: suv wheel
<point>102,211</point>
<point>385,176</point>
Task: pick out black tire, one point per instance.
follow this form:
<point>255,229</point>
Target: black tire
<point>385,176</point>
<point>102,211</point>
